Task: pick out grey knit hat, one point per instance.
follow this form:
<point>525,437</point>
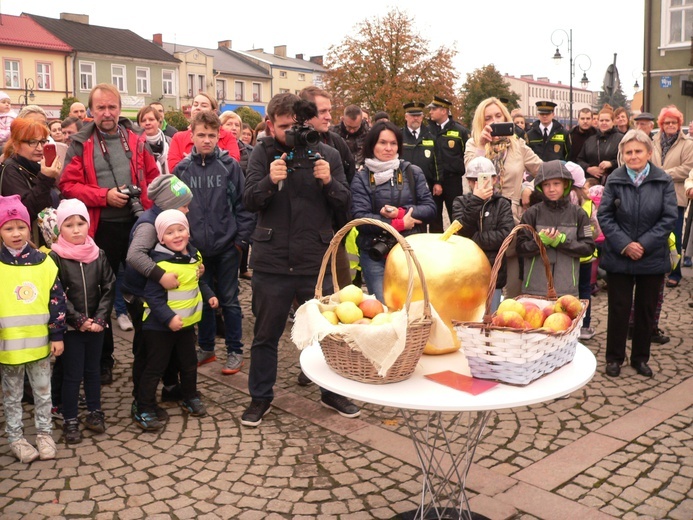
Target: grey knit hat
<point>169,192</point>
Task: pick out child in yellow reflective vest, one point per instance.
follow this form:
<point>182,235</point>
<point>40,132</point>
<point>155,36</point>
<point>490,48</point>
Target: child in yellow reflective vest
<point>169,319</point>
<point>32,324</point>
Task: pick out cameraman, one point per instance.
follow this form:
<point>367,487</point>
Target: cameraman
<point>104,160</point>
<point>295,202</point>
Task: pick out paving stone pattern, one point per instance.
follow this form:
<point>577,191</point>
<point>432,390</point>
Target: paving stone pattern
<point>617,448</point>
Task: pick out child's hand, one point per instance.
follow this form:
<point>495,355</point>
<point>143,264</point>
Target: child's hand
<point>213,302</point>
<point>86,326</point>
<point>95,327</point>
<point>176,323</point>
<point>483,192</point>
<point>57,347</point>
<point>169,281</point>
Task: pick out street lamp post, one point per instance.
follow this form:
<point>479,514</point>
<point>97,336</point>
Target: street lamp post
<point>557,56</point>
<point>28,92</point>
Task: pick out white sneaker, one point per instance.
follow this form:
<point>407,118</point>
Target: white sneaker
<point>24,451</point>
<point>46,446</point>
<point>124,322</point>
<point>587,333</point>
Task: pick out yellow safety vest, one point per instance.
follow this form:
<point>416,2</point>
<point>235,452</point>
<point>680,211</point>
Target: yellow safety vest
<point>25,294</point>
<point>353,252</point>
<point>588,205</point>
<point>186,299</point>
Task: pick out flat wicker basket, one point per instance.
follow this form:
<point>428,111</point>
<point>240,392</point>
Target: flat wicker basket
<point>341,354</point>
<point>512,355</point>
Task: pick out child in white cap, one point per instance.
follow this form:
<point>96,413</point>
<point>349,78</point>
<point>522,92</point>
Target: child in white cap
<point>7,115</point>
<point>90,290</point>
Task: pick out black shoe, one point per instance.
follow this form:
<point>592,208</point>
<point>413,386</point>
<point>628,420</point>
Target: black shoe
<point>303,380</point>
<point>162,414</point>
<point>194,407</point>
<point>642,369</point>
<point>71,431</point>
<point>659,337</point>
<point>255,412</point>
<point>95,421</point>
<point>340,404</point>
<point>175,394</point>
<point>106,376</point>
<point>613,369</point>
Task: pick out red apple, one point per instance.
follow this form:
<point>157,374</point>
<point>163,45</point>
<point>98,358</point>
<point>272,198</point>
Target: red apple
<point>528,306</point>
<point>547,311</point>
<point>558,322</point>
<point>508,319</point>
<point>534,317</point>
<point>570,305</point>
<point>370,307</point>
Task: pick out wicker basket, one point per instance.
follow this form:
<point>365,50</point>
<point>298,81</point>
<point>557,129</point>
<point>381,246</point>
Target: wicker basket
<point>341,354</point>
<point>511,355</point>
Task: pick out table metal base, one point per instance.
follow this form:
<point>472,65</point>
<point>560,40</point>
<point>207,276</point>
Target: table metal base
<point>445,444</point>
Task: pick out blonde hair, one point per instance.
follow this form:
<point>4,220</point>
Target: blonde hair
<point>478,122</point>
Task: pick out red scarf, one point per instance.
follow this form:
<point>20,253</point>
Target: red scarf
<point>85,253</point>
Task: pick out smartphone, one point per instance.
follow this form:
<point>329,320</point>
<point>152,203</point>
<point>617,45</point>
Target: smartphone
<point>49,153</point>
<point>502,129</point>
<point>484,180</point>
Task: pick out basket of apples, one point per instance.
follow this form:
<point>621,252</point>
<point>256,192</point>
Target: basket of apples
<point>361,319</point>
<point>528,336</point>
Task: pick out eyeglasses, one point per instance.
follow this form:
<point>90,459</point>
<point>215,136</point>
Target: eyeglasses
<point>670,123</point>
<point>35,142</point>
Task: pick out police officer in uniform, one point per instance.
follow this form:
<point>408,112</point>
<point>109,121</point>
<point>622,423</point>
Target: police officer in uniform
<point>419,145</point>
<point>450,140</point>
<point>546,137</point>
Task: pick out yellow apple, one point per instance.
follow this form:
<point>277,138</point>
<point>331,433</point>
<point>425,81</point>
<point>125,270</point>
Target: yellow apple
<point>351,293</point>
<point>382,318</point>
<point>331,317</point>
<point>348,312</point>
<point>558,321</point>
<point>512,305</point>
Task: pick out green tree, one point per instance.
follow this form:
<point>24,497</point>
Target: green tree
<point>384,63</point>
<point>177,119</point>
<point>484,83</point>
<point>249,116</point>
<point>65,109</point>
<point>616,99</point>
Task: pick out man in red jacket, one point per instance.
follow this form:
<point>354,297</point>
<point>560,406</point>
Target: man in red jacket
<point>109,170</point>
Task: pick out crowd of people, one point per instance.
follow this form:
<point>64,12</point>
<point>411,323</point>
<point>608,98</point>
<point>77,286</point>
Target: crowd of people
<point>159,223</point>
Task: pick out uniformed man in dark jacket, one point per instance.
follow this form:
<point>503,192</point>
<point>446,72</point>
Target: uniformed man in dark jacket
<point>451,138</point>
<point>547,137</point>
<point>419,145</point>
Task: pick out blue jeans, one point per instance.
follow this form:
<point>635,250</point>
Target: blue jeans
<point>373,272</point>
<point>39,373</point>
<point>119,303</point>
<point>223,269</point>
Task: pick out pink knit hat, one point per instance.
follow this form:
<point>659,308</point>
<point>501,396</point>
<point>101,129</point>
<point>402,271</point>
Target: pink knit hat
<point>168,218</point>
<point>577,172</point>
<point>69,207</point>
<point>11,208</point>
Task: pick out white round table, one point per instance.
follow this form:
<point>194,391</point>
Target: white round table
<point>444,459</point>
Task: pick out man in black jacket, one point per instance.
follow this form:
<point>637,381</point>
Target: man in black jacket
<point>451,138</point>
<point>547,137</point>
<point>296,204</point>
<point>419,146</point>
<point>579,134</point>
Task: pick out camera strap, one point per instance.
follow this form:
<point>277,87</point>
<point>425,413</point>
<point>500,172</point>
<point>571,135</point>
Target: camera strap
<point>107,156</point>
<point>398,180</point>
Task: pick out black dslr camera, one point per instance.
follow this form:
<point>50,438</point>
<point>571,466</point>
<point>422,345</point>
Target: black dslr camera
<point>381,246</point>
<point>301,138</point>
<point>134,193</point>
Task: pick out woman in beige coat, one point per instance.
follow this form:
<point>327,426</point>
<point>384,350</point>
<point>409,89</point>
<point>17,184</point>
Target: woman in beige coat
<point>673,152</point>
<point>512,158</point>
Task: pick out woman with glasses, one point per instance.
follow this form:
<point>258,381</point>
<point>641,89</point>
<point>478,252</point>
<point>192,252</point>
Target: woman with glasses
<point>24,171</point>
<point>673,153</point>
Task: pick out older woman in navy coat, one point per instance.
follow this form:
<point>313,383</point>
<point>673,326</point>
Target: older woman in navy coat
<point>637,213</point>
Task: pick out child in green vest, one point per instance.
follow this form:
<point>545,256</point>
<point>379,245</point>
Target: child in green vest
<point>169,319</point>
<point>32,323</point>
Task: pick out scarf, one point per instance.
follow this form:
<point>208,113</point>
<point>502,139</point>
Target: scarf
<point>85,253</point>
<point>382,171</point>
<point>667,142</point>
<point>496,152</point>
<point>159,146</point>
<point>638,177</point>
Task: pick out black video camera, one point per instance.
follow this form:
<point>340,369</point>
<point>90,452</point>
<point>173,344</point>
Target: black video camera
<point>381,246</point>
<point>134,193</point>
<point>300,134</point>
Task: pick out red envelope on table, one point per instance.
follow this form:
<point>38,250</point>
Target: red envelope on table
<point>461,382</point>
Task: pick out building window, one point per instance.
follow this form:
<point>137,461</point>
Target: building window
<point>238,90</point>
<point>43,76</point>
<point>167,82</point>
<point>282,74</point>
<point>191,85</point>
<point>257,92</point>
<point>201,83</point>
<point>678,22</point>
<point>11,74</point>
<point>301,76</point>
<point>118,77</point>
<point>283,90</point>
<point>142,80</point>
<point>87,75</point>
<point>221,89</point>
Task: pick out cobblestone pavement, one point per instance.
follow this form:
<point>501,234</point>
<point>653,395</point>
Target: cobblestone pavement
<point>617,448</point>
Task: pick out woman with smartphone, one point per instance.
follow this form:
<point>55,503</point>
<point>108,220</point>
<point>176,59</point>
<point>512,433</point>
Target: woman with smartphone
<point>511,158</point>
<point>25,171</point>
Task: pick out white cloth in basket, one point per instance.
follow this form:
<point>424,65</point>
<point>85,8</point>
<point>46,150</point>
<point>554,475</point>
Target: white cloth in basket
<point>381,344</point>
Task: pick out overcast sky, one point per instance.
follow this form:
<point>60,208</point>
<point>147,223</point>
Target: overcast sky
<point>514,36</point>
